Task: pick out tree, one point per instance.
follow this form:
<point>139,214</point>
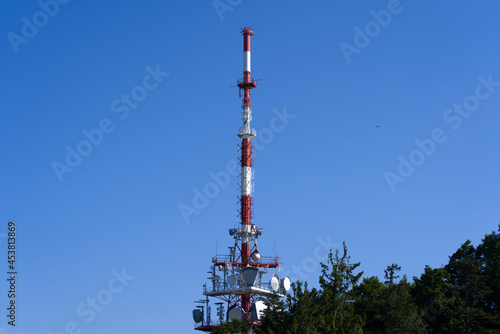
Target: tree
<point>235,326</point>
<point>327,310</point>
<point>462,297</point>
<point>388,307</point>
<point>338,284</point>
<point>489,254</point>
<point>390,273</point>
<point>439,304</point>
<point>369,300</point>
<point>276,317</point>
<point>305,313</point>
<point>469,283</point>
<point>400,314</point>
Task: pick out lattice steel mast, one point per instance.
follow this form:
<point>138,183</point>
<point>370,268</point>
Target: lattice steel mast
<point>239,281</point>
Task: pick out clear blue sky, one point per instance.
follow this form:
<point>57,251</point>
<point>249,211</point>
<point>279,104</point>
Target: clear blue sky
<point>364,98</point>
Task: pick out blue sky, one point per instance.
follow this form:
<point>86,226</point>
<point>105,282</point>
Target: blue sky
<point>377,126</point>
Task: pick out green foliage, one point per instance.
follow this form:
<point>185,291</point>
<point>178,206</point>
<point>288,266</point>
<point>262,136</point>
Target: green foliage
<point>489,254</point>
<point>434,296</point>
<point>390,273</point>
<point>400,314</point>
<point>338,283</point>
<point>235,326</point>
<point>369,301</point>
<point>388,307</point>
<point>304,309</point>
<point>462,297</point>
<point>276,317</point>
<point>470,284</point>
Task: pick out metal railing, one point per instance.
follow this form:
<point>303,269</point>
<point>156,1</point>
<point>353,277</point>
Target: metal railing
<point>252,132</point>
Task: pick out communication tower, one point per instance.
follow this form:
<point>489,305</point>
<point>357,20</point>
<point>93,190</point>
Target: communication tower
<point>236,278</point>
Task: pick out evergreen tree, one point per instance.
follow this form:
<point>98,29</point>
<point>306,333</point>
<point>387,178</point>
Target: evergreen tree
<point>275,318</point>
<point>338,284</point>
<point>400,314</point>
<point>489,254</point>
<point>462,297</point>
<point>235,326</point>
<point>440,305</point>
<point>390,274</point>
<point>466,278</point>
<point>388,307</point>
<point>369,300</point>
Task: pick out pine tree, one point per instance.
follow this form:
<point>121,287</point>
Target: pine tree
<point>235,326</point>
<point>466,278</point>
<point>338,284</point>
<point>369,300</point>
<point>435,298</point>
<point>489,254</point>
<point>388,307</point>
<point>275,318</point>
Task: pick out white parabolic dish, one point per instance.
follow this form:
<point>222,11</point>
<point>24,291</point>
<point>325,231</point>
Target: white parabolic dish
<point>275,283</point>
<point>285,283</point>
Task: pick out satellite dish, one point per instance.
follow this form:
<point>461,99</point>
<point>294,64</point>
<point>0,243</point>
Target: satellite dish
<point>235,312</point>
<point>216,278</point>
<point>217,284</point>
<point>249,275</point>
<point>231,280</point>
<point>257,309</point>
<point>255,256</point>
<point>275,282</point>
<point>285,283</point>
<point>197,315</point>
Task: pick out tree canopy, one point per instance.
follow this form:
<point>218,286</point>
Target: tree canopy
<point>461,297</point>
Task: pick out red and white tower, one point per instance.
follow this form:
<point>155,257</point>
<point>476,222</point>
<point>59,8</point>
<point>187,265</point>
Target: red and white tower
<point>237,278</point>
<point>246,133</point>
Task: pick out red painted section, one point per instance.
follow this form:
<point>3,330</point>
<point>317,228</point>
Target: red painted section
<point>245,305</point>
<point>246,43</point>
<point>246,77</point>
<point>247,33</point>
<point>246,153</point>
<point>246,209</point>
<point>245,253</point>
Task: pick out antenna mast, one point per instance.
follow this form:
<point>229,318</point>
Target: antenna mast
<point>239,282</point>
<point>246,133</point>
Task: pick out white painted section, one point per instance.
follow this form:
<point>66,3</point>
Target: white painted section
<point>246,131</point>
<point>246,61</point>
<point>245,233</point>
<point>246,181</point>
<point>247,117</point>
